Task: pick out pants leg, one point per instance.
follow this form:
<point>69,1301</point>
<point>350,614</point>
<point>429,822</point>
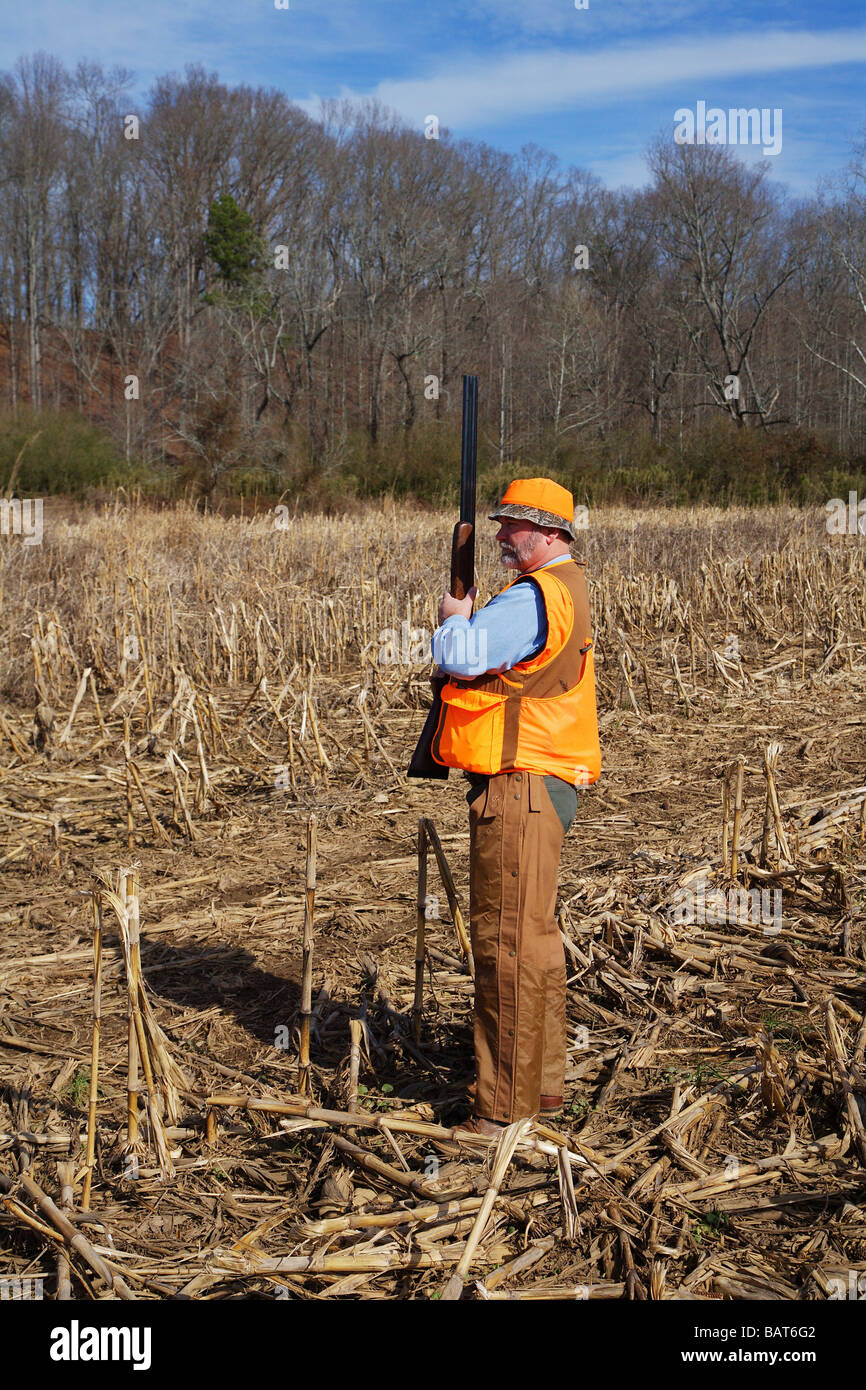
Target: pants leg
<point>515,842</point>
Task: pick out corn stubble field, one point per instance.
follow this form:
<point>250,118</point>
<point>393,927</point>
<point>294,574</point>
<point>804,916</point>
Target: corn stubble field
<point>205,725</point>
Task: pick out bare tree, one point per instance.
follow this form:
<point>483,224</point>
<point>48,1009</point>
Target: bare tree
<point>833,321</point>
<point>718,221</point>
<point>33,111</point>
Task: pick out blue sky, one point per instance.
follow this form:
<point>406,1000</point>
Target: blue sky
<point>593,85</point>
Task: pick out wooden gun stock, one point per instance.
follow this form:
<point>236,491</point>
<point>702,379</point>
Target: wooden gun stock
<point>462,559</point>
<point>423,763</point>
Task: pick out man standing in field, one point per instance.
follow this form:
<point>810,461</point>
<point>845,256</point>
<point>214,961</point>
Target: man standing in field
<point>519,716</point>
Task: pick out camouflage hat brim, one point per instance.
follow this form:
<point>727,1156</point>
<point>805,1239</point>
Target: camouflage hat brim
<point>520,513</point>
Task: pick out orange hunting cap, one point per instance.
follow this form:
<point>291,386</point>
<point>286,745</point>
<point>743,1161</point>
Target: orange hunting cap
<point>540,500</point>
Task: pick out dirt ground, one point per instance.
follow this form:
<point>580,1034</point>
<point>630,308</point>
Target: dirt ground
<point>712,1145</point>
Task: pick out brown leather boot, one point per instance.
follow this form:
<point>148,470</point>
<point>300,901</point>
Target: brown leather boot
<point>476,1124</point>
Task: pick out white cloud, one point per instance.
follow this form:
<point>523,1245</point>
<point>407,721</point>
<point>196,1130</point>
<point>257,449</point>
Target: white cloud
<point>235,40</point>
<point>499,89</point>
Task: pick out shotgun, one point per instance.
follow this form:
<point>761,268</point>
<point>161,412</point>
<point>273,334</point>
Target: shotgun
<point>462,572</point>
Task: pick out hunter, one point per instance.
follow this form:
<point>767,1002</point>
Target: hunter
<point>519,717</point>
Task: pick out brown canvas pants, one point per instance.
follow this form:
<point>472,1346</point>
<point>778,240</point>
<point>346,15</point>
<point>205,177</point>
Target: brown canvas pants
<point>515,839</point>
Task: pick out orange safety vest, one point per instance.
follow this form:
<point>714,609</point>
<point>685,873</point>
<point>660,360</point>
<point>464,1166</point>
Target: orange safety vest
<point>539,716</point>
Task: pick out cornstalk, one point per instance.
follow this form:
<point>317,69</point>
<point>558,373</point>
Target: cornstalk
<point>770,761</point>
<point>145,669</point>
<point>96,899</point>
<point>356,1032</point>
<point>130,819</point>
<point>450,892</point>
<point>102,727</point>
<point>154,823</point>
<point>66,1174</point>
<point>505,1147</point>
<point>837,1052</point>
<point>79,696</point>
<point>132,1040</point>
<point>803,650</point>
<point>738,815</point>
<point>129,896</point>
<point>375,736</point>
<point>216,726</point>
<point>204,780</point>
<point>768,808</point>
<point>172,759</point>
<point>307,971</point>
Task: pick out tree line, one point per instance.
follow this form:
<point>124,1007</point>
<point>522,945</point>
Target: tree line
<point>223,282</point>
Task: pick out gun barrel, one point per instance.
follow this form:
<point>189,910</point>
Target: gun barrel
<point>469,451</point>
<point>423,763</point>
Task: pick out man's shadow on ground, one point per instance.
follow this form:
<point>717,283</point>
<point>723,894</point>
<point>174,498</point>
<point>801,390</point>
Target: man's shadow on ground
<point>267,1006</point>
<point>201,976</point>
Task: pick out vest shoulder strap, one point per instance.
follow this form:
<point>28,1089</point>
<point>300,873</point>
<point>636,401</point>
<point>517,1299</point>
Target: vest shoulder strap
<point>561,671</point>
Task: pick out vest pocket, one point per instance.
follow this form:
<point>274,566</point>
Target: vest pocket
<point>471,729</point>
